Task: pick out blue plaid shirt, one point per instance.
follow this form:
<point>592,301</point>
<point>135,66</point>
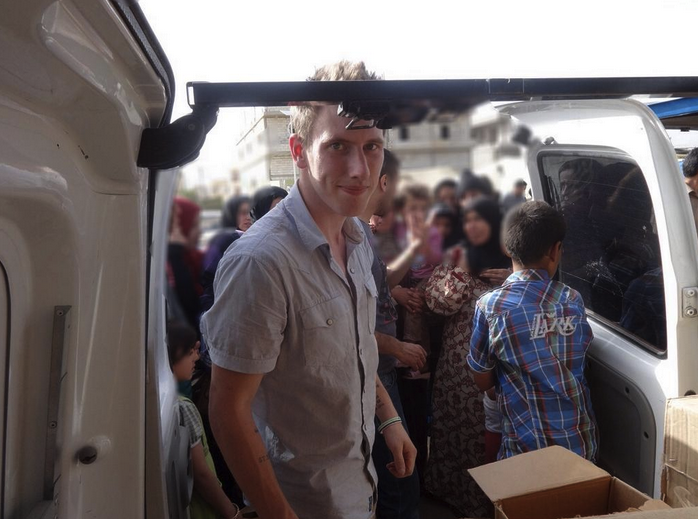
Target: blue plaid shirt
<point>534,333</point>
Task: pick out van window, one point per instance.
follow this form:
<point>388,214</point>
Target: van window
<point>611,251</point>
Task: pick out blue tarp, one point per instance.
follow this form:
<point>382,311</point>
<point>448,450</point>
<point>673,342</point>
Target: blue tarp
<point>675,107</point>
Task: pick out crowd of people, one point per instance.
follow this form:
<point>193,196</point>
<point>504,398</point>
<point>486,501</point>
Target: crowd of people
<point>360,343</point>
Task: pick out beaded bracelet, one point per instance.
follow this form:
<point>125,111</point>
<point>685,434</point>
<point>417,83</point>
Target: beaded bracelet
<point>388,423</point>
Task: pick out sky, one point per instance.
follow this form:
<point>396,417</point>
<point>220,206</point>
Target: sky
<point>224,40</point>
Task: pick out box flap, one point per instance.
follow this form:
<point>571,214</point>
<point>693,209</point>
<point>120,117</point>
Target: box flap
<point>624,497</point>
<point>674,513</point>
<point>680,476</point>
<point>551,467</point>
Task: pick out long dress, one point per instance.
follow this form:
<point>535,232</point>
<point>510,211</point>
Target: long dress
<point>458,422</point>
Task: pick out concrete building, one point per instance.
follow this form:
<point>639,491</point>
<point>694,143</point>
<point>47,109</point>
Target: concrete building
<point>494,154</point>
<point>433,145</point>
<point>262,155</point>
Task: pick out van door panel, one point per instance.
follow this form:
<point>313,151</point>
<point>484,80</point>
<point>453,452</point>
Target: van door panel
<point>634,366</point>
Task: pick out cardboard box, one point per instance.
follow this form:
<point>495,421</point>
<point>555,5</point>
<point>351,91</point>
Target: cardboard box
<point>680,476</point>
<point>555,483</point>
<point>672,513</point>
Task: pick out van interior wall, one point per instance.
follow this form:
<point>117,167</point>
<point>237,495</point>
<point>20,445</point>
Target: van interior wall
<point>75,94</point>
<point>63,244</point>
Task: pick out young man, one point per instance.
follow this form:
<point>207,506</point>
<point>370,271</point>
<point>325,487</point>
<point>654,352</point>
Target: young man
<point>515,197</point>
<point>294,386</point>
<point>398,498</point>
<point>530,339</point>
<point>446,192</point>
<point>690,173</point>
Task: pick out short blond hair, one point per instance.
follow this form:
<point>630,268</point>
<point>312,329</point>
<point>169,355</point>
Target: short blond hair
<point>303,116</point>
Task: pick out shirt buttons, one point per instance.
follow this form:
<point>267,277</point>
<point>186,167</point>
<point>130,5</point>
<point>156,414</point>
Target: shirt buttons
<point>351,270</point>
<point>330,322</point>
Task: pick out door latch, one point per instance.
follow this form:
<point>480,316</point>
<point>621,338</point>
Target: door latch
<point>690,302</point>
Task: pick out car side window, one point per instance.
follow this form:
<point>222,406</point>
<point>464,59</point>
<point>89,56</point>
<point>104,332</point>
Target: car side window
<point>611,251</point>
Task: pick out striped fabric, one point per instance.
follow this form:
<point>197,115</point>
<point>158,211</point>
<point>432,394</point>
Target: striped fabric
<point>534,333</point>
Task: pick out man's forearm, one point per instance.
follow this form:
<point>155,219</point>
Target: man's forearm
<point>384,405</point>
<point>387,344</point>
<point>246,455</point>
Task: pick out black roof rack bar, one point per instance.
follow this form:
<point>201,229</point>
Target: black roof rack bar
<point>285,93</point>
<point>381,103</point>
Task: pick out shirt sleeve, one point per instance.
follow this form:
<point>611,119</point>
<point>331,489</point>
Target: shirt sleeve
<point>192,421</point>
<point>480,359</point>
<point>245,326</point>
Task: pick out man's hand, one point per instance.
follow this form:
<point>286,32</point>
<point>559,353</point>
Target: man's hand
<point>408,298</point>
<point>496,277</point>
<point>403,450</point>
<point>412,355</point>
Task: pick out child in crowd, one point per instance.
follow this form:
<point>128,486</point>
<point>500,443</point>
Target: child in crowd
<point>417,200</point>
<point>530,339</point>
<point>208,500</point>
<point>443,219</point>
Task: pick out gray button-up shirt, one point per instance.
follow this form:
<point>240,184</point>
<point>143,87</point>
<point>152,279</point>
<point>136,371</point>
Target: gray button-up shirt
<point>284,308</point>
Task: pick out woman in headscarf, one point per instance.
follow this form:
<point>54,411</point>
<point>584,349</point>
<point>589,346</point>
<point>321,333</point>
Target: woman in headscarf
<point>236,214</point>
<point>265,199</point>
<point>184,260</point>
<point>470,269</point>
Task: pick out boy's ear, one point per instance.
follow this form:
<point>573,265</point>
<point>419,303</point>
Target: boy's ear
<point>383,182</point>
<point>555,252</point>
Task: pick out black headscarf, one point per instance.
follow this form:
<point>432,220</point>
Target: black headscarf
<point>261,203</point>
<point>229,218</point>
<point>469,181</point>
<point>490,254</point>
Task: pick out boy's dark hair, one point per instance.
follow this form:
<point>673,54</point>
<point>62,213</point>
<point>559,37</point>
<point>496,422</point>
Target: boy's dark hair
<point>530,230</point>
<point>181,339</point>
<point>690,164</point>
<point>391,165</point>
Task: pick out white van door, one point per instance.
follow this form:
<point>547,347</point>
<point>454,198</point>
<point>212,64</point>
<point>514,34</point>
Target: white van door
<point>631,251</point>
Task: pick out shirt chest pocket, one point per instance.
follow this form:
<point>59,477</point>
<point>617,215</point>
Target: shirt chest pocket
<point>371,301</point>
<point>328,336</point>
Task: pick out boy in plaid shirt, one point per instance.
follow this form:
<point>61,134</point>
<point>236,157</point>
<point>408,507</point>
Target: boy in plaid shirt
<point>529,342</point>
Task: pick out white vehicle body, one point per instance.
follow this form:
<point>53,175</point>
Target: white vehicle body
<point>76,92</point>
<point>84,376</point>
<point>638,379</point>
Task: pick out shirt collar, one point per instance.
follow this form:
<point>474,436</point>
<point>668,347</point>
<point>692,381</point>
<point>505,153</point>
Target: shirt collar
<point>528,275</point>
<point>310,234</point>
